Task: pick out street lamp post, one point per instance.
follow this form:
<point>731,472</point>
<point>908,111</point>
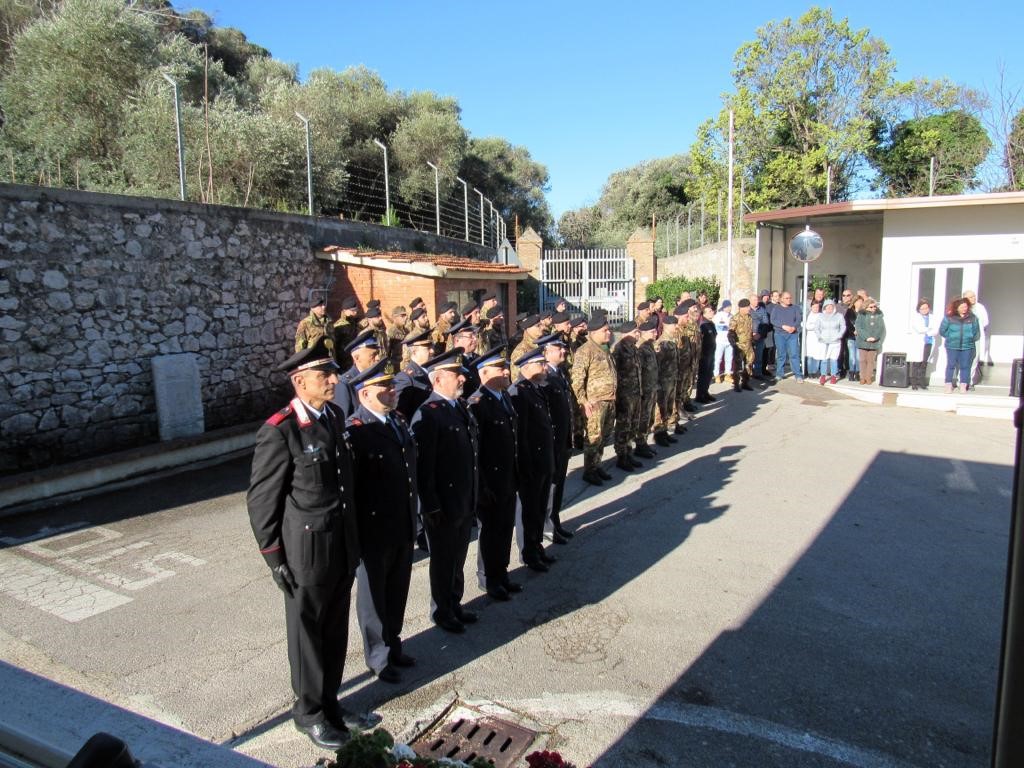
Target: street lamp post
<point>387,190</point>
<point>481,215</point>
<point>437,196</point>
<point>805,247</point>
<point>465,203</point>
<point>309,164</point>
<point>181,138</point>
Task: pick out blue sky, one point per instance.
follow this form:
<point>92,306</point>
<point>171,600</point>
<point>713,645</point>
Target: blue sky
<point>591,88</point>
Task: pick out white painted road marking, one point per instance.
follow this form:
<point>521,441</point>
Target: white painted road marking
<point>47,589</point>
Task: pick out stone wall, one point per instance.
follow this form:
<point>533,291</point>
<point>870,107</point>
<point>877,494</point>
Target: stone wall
<point>93,286</point>
<point>711,261</point>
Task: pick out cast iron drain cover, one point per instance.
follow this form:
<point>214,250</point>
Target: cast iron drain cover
<point>465,738</point>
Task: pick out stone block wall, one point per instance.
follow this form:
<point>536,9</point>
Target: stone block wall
<point>711,260</point>
<point>93,286</point>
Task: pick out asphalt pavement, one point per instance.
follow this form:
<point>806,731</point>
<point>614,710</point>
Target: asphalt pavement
<point>803,580</point>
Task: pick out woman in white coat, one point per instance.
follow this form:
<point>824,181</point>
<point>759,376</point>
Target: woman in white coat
<point>924,327</point>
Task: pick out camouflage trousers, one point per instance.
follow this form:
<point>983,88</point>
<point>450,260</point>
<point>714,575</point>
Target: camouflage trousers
<point>684,388</point>
<point>666,412</point>
<point>598,430</point>
<point>742,364</point>
<point>627,420</point>
<point>648,408</point>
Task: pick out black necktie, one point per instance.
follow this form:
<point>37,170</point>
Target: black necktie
<point>327,421</point>
<point>507,404</point>
<point>394,426</point>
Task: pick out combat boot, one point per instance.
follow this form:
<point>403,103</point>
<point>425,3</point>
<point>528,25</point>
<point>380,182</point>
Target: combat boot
<point>591,476</point>
<point>603,473</point>
<point>624,463</point>
<point>644,451</point>
<point>661,438</point>
<point>680,429</point>
<point>631,460</point>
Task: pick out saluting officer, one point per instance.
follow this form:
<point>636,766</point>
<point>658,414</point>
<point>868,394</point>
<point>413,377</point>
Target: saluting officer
<point>558,394</point>
<point>412,384</point>
<point>302,513</point>
<point>364,351</point>
<point>536,456</point>
<point>447,473</point>
<point>499,477</point>
<point>384,457</point>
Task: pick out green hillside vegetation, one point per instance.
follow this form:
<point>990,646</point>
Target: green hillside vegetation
<point>85,104</point>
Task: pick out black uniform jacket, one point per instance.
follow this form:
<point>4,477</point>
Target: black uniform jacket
<point>412,385</point>
<point>300,500</point>
<point>558,394</point>
<point>536,441</point>
<point>447,443</point>
<point>385,464</point>
<point>344,396</point>
<point>499,444</point>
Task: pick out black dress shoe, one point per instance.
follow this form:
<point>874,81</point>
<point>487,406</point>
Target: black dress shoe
<point>512,587</point>
<point>450,625</point>
<point>558,538</point>
<point>389,675</point>
<point>324,735</point>
<point>538,565</point>
<point>546,558</point>
<point>401,660</point>
<point>593,478</point>
<point>499,592</point>
<point>465,615</point>
<point>603,474</point>
<point>562,531</point>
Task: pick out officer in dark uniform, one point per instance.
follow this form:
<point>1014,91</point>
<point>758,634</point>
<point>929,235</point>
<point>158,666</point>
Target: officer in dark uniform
<point>412,384</point>
<point>447,471</point>
<point>536,455</point>
<point>496,417</point>
<point>364,351</point>
<point>384,457</point>
<point>302,512</point>
<point>558,394</point>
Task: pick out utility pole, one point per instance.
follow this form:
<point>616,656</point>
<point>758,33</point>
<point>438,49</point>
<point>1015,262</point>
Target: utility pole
<point>437,196</point>
<point>181,138</point>
<point>309,164</point>
<point>728,223</point>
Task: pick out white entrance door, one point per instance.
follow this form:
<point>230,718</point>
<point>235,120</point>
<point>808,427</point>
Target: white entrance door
<point>941,283</point>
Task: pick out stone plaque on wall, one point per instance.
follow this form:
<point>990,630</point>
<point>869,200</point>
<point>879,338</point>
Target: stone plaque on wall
<point>179,402</point>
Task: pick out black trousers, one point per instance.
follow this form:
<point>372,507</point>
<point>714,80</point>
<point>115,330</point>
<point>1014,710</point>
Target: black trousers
<point>388,572</point>
<point>497,523</point>
<point>558,482</point>
<point>533,494</point>
<point>449,542</point>
<point>316,619</point>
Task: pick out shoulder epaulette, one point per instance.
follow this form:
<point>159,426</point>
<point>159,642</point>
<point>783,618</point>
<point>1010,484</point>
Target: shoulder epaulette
<point>475,397</point>
<point>280,416</point>
<point>434,404</point>
<point>354,422</point>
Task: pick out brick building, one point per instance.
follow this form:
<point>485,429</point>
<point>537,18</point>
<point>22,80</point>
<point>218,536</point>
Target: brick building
<point>395,278</point>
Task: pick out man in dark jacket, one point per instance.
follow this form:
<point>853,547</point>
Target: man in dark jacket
<point>384,459</point>
<point>412,385</point>
<point>302,513</point>
<point>536,455</point>
<point>558,394</point>
<point>499,476</point>
<point>447,475</point>
<point>364,351</point>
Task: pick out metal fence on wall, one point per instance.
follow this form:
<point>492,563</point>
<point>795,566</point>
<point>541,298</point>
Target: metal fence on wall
<point>588,279</point>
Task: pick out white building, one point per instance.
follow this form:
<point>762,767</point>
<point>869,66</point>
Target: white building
<point>904,249</point>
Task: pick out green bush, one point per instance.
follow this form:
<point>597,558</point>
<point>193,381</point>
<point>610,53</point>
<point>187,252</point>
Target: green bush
<point>670,288</point>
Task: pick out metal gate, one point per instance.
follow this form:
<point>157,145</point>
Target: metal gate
<point>589,279</point>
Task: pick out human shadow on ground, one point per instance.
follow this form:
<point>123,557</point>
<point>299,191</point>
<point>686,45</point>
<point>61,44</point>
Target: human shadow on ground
<point>879,646</point>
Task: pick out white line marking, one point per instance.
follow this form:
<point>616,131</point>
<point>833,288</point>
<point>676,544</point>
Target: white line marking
<point>960,478</point>
<point>591,706</point>
<point>56,593</point>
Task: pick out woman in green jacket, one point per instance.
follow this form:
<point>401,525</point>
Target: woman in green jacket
<point>870,327</point>
<point>960,329</point>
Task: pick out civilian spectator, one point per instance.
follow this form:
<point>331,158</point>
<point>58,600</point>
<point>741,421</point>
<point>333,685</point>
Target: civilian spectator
<point>922,341</point>
<point>870,335</point>
<point>786,325</point>
<point>960,329</point>
<point>831,327</point>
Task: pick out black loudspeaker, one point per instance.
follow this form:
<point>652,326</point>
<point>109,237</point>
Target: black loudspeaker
<point>1016,373</point>
<point>894,370</point>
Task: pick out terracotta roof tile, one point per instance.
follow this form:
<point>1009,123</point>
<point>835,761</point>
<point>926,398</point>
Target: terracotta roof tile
<point>440,260</point>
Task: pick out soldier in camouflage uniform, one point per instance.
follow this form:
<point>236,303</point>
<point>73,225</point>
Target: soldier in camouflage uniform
<point>627,395</point>
<point>314,326</point>
<point>667,351</point>
<point>446,318</point>
<point>532,330</point>
<point>494,335</point>
<point>577,337</point>
<point>649,376</point>
<point>741,336</point>
<point>689,358</point>
<point>345,331</point>
<point>594,384</point>
<point>419,322</point>
<point>375,322</point>
<point>397,333</point>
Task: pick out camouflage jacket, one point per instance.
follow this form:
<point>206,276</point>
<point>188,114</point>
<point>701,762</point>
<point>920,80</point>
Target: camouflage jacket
<point>593,374</point>
<point>627,366</point>
<point>310,329</point>
<point>741,331</point>
<point>648,368</point>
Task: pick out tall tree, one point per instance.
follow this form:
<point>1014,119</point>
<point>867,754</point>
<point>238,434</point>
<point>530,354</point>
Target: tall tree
<point>939,153</point>
<point>1015,153</point>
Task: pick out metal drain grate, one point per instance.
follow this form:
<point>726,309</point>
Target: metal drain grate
<point>465,738</point>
